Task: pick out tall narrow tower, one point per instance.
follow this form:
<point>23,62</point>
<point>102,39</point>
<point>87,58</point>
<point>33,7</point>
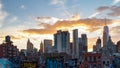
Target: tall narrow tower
<point>85,42</point>
<point>75,44</point>
<point>29,48</point>
<point>41,47</point>
<point>105,34</point>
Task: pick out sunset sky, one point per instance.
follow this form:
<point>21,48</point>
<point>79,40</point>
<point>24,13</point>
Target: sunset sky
<point>40,19</point>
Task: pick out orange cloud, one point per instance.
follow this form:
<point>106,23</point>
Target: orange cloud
<point>91,24</point>
<point>115,30</point>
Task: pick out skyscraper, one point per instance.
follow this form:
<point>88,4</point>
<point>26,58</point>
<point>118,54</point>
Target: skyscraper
<point>58,40</point>
<point>85,42</point>
<point>109,49</point>
<point>97,47</point>
<point>47,45</point>
<point>41,47</point>
<point>62,41</point>
<point>29,48</point>
<point>75,44</point>
<point>66,42</point>
<point>80,48</point>
<point>105,35</point>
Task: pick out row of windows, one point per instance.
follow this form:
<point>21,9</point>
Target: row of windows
<point>93,66</point>
<point>92,58</point>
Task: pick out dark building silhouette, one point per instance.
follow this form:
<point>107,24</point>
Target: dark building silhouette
<point>7,49</point>
<point>85,42</point>
<point>62,41</point>
<point>75,44</point>
<point>109,49</point>
<point>41,47</point>
<point>97,47</point>
<point>29,48</point>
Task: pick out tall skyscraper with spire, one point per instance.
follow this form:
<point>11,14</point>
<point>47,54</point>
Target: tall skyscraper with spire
<point>41,47</point>
<point>29,48</point>
<point>105,34</point>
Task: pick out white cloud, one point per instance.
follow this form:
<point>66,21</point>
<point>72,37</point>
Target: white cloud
<point>48,20</point>
<point>95,14</point>
<point>13,19</point>
<point>23,7</point>
<point>3,15</point>
<point>60,2</point>
<point>115,2</point>
<point>61,5</point>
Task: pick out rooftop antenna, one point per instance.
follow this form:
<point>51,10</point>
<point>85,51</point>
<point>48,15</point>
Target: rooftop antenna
<point>105,21</point>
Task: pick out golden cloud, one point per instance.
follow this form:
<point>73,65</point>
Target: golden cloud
<point>91,24</point>
<point>115,31</point>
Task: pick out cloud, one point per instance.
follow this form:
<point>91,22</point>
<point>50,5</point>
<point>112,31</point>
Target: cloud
<point>115,30</point>
<point>91,25</point>
<point>102,8</point>
<point>58,2</point>
<point>13,37</point>
<point>115,2</point>
<point>99,10</point>
<point>93,15</point>
<point>61,6</point>
<point>115,11</point>
<point>16,37</point>
<point>13,19</point>
<point>49,20</point>
<point>3,14</point>
<point>23,7</point>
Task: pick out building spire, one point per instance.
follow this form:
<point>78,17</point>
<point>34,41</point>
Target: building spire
<point>105,21</point>
<point>28,40</point>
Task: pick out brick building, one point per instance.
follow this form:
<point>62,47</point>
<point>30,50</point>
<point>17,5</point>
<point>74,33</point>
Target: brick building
<point>7,49</point>
<point>91,60</point>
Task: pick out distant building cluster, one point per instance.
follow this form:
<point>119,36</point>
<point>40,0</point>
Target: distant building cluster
<point>62,53</point>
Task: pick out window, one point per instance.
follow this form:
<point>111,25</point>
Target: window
<point>103,62</point>
<point>86,66</point>
<point>94,59</point>
<point>85,58</point>
<point>94,66</point>
<point>99,65</point>
<point>99,57</point>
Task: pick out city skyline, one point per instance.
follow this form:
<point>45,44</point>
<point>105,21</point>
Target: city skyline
<point>40,19</point>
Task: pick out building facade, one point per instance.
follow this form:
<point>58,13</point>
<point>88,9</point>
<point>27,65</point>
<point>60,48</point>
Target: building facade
<point>47,46</point>
<point>8,50</point>
<point>92,60</point>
